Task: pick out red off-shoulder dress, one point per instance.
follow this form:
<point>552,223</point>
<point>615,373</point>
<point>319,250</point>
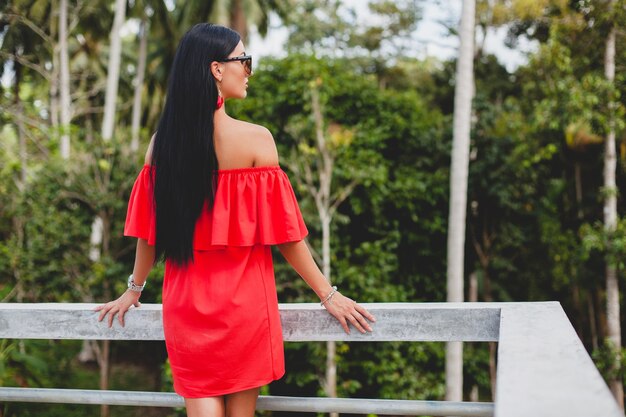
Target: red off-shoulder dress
<point>220,313</point>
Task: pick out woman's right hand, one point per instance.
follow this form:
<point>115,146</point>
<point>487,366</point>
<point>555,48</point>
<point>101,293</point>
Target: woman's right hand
<point>119,307</point>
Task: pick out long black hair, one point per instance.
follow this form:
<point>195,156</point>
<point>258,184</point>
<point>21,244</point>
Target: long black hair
<point>184,163</point>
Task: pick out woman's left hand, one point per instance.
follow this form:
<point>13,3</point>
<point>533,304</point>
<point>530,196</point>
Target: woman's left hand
<point>347,311</point>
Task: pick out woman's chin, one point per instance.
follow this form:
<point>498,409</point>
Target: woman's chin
<point>241,95</point>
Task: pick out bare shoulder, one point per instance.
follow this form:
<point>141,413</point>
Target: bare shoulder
<point>148,158</point>
<point>261,143</point>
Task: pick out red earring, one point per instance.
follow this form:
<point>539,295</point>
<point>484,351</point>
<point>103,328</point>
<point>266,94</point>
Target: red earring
<point>220,102</point>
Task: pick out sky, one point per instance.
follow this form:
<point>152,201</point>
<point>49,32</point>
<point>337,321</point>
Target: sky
<point>430,37</point>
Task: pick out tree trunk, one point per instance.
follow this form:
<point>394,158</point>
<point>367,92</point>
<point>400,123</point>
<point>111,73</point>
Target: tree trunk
<point>141,68</point>
<point>323,206</point>
<point>104,374</point>
<point>113,70</point>
<point>493,350</point>
<point>578,308</point>
<point>610,224</point>
<point>21,134</point>
<point>108,123</point>
<point>579,190</point>
<point>102,226</point>
<point>54,76</point>
<point>472,297</point>
<point>488,297</point>
<point>18,220</point>
<point>238,19</point>
<point>576,293</point>
<point>454,371</point>
<point>19,123</point>
<point>458,191</point>
<point>331,348</point>
<point>326,202</point>
<point>105,346</point>
<point>472,293</point>
<point>95,239</point>
<point>599,298</point>
<point>592,321</point>
<point>65,81</point>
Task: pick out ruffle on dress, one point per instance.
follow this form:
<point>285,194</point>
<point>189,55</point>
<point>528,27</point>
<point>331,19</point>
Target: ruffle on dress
<point>253,206</point>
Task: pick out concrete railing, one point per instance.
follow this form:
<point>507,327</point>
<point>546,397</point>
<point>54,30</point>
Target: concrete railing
<point>543,369</point>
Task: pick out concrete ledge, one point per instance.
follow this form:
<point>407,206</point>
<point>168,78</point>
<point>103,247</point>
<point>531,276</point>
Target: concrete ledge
<point>301,322</point>
<point>544,369</point>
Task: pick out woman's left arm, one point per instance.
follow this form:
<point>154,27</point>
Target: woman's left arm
<point>343,308</point>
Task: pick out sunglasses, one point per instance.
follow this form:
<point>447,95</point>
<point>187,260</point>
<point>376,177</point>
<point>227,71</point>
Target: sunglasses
<point>246,61</point>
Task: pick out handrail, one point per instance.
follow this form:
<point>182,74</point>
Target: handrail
<point>543,368</point>
<point>273,403</point>
<point>301,322</point>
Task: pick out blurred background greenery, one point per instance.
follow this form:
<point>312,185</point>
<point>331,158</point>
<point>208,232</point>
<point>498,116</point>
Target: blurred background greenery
<point>535,196</point>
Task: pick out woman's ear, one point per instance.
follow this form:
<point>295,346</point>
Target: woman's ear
<point>216,70</point>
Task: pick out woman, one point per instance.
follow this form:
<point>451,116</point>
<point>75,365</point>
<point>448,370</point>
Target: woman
<point>211,199</point>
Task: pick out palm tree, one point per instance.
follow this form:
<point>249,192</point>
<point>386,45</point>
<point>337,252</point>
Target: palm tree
<point>458,189</point>
<point>108,124</point>
<point>66,111</point>
<point>610,220</point>
<point>169,26</point>
<point>241,14</point>
<point>115,54</point>
<point>23,47</point>
<point>141,69</point>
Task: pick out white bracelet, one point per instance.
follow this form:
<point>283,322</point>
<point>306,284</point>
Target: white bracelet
<point>329,296</point>
<point>134,287</point>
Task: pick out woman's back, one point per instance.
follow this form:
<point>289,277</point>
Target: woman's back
<point>238,144</point>
<point>241,144</point>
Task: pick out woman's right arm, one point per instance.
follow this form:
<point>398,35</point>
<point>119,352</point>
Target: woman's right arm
<point>144,259</point>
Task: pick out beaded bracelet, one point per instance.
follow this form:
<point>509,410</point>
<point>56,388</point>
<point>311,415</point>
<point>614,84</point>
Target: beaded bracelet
<point>329,296</point>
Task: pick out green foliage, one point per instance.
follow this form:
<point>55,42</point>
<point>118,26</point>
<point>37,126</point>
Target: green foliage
<point>381,136</point>
<point>595,238</point>
<point>610,361</point>
<point>395,370</point>
<point>48,248</point>
<point>43,252</point>
<point>45,363</point>
<point>534,197</point>
<point>330,28</point>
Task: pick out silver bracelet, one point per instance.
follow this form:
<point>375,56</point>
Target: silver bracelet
<point>134,287</point>
<point>329,296</point>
